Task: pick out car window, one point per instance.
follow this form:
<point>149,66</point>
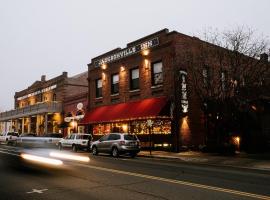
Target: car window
<point>72,137</point>
<point>9,134</point>
<point>83,137</point>
<point>114,137</point>
<point>130,137</point>
<point>104,138</point>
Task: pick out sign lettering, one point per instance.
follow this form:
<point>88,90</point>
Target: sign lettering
<point>127,52</point>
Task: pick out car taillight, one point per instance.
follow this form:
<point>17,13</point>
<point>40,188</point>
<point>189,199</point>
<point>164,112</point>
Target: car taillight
<point>122,142</point>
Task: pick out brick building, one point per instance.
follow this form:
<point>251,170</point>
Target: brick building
<point>39,108</point>
<point>129,86</point>
<point>151,79</point>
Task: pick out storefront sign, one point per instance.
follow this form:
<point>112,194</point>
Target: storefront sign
<point>37,92</point>
<point>127,52</point>
<point>68,119</point>
<point>78,117</point>
<point>80,106</point>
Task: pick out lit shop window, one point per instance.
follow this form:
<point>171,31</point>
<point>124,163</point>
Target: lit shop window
<point>183,94</point>
<point>157,75</point>
<point>98,88</point>
<point>115,84</point>
<point>134,79</point>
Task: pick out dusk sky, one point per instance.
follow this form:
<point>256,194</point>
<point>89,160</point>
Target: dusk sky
<point>51,36</point>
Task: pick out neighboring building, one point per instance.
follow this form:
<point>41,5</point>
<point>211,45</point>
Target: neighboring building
<point>74,111</point>
<point>39,108</point>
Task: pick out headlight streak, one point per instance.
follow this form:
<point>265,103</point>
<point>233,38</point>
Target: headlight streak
<point>42,160</point>
<point>70,157</point>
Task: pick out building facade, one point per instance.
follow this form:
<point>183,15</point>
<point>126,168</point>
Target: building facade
<point>136,90</point>
<point>39,108</point>
<point>149,88</point>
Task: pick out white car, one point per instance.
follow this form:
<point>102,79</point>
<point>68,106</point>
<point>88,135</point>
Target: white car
<point>76,141</point>
<point>9,138</point>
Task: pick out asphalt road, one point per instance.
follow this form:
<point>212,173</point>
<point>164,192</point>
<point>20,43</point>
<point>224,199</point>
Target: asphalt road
<point>125,178</point>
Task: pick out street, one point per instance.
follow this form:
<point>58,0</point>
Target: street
<point>105,177</point>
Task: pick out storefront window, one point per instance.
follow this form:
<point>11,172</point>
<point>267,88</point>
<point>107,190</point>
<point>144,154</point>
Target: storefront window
<point>138,127</point>
<point>98,88</point>
<point>115,84</point>
<point>134,79</point>
<point>157,74</point>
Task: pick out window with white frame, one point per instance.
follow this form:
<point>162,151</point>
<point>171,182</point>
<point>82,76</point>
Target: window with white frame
<point>98,88</point>
<point>157,73</point>
<point>134,79</point>
<point>115,84</point>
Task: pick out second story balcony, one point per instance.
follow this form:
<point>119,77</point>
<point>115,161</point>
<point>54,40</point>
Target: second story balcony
<point>39,108</point>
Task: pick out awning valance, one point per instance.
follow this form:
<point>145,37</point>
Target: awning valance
<point>147,108</point>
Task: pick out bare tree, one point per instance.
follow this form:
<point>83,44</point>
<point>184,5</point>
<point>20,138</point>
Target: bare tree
<point>228,70</point>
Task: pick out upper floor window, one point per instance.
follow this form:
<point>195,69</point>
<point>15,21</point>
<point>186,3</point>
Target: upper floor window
<point>134,79</point>
<point>205,75</point>
<point>223,80</point>
<point>157,73</point>
<point>54,97</point>
<point>115,84</point>
<point>98,88</point>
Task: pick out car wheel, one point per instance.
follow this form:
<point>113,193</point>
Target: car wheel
<point>115,152</point>
<point>94,151</point>
<point>60,146</point>
<point>133,155</point>
<point>74,148</point>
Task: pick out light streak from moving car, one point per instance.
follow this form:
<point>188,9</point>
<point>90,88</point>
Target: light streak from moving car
<point>70,157</point>
<point>41,160</point>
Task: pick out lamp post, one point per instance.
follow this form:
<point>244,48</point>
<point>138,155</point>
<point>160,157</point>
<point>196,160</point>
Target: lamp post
<point>149,125</point>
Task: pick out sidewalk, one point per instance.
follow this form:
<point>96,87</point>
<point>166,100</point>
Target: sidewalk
<point>241,160</point>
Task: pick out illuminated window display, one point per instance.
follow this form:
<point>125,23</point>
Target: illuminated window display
<point>138,127</point>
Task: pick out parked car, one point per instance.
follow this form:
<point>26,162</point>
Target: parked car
<point>76,141</point>
<point>9,137</point>
<point>53,138</point>
<point>42,141</point>
<point>116,144</point>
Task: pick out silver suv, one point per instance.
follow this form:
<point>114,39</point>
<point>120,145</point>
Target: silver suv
<point>116,144</point>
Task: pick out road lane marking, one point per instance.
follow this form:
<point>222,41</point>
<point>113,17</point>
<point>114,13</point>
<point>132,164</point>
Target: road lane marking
<point>178,182</point>
<point>13,154</point>
<point>9,150</point>
<point>37,191</point>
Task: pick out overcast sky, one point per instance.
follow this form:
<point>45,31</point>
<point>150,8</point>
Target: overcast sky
<point>51,36</point>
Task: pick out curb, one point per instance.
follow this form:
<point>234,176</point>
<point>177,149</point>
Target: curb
<point>264,170</point>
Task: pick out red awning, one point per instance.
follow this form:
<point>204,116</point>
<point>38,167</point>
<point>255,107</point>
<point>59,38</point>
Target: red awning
<point>143,109</point>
